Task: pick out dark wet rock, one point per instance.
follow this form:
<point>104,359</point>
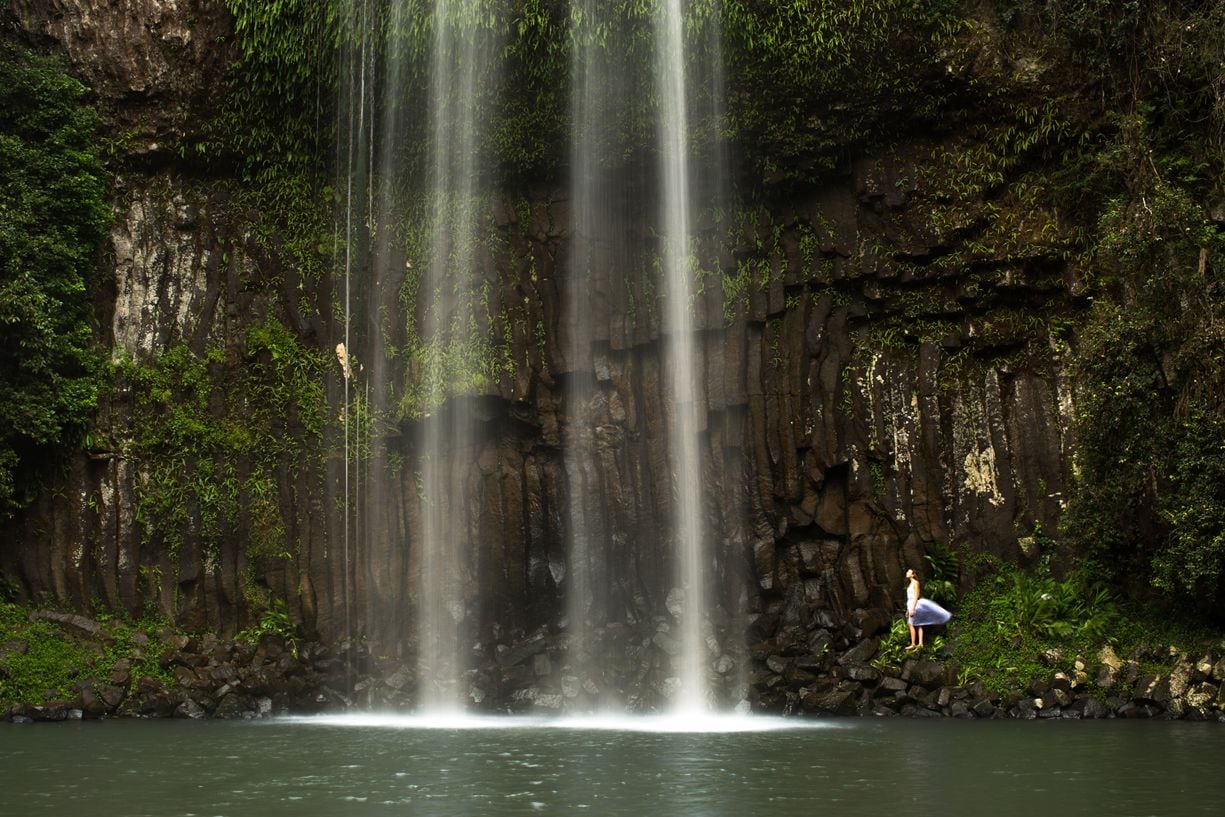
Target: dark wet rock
<point>91,702</point>
<point>780,665</point>
<point>525,649</point>
<point>1180,679</point>
<point>121,672</point>
<point>890,685</point>
<point>1060,697</point>
<point>860,653</point>
<point>842,700</point>
<point>1137,709</point>
<point>190,709</point>
<point>960,709</point>
<point>223,674</point>
<point>820,642</point>
<point>871,622</point>
<point>1149,688</point>
<point>1025,709</point>
<point>862,673</point>
<point>189,678</point>
<point>111,694</point>
<point>927,673</point>
<point>51,711</point>
<point>1093,708</point>
<point>232,705</point>
<point>982,708</point>
<point>401,677</point>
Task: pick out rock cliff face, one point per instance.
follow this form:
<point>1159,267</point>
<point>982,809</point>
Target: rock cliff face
<point>888,381</point>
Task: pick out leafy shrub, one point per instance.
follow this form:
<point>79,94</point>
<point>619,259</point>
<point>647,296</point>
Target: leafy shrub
<point>1012,618</point>
<point>275,620</point>
<point>1150,498</point>
<point>945,571</point>
<point>1048,608</point>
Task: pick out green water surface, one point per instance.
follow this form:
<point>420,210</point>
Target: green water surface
<point>836,767</point>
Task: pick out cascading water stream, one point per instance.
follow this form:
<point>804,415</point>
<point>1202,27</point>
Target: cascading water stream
<point>431,212</point>
<point>681,377</point>
<point>599,189</point>
<point>457,59</point>
<point>581,609</point>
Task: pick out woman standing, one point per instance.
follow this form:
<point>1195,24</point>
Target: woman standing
<point>921,612</point>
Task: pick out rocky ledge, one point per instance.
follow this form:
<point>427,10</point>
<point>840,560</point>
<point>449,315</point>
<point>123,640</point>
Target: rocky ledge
<point>848,670</point>
<point>854,670</point>
<point>166,674</point>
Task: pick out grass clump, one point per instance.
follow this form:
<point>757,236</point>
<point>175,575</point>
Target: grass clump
<point>894,648</point>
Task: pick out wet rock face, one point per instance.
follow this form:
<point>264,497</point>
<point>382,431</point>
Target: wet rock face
<point>837,450</point>
<point>154,64</point>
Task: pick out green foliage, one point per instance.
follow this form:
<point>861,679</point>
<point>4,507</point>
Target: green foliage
<point>48,666</point>
<point>53,217</point>
<point>1150,357</point>
<point>280,87</point>
<point>807,80</point>
<point>945,571</point>
<point>42,661</point>
<point>1149,499</point>
<point>1042,607</point>
<point>1007,623</point>
<point>894,648</point>
<point>456,338</point>
<point>275,620</point>
<point>210,435</point>
<point>1192,508</point>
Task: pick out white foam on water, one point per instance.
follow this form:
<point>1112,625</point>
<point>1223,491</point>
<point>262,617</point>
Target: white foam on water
<point>670,723</point>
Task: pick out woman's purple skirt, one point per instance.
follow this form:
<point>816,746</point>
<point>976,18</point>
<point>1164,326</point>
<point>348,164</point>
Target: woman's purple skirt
<point>928,613</point>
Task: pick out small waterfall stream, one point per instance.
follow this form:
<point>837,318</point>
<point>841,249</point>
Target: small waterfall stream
<point>684,390</point>
<point>461,56</point>
<point>589,194</point>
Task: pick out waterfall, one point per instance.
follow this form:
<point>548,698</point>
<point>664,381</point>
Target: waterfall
<point>459,59</point>
<point>582,610</point>
<point>601,191</point>
<point>410,148</point>
<point>414,153</point>
<point>681,376</point>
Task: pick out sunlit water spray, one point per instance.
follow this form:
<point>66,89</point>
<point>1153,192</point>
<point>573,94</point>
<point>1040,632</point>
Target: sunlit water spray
<point>709,723</point>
